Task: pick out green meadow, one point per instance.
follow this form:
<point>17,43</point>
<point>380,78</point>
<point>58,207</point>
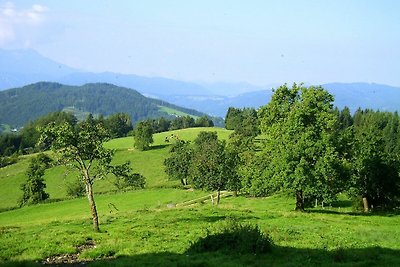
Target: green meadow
<point>153,227</point>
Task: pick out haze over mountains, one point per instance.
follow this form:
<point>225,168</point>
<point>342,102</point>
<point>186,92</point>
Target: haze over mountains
<point>21,67</point>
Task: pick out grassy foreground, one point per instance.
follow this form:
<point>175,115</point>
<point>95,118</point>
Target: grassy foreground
<point>145,228</point>
<point>141,229</point>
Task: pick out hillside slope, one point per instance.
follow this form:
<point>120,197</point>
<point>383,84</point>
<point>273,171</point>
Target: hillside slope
<point>148,163</point>
<point>20,105</point>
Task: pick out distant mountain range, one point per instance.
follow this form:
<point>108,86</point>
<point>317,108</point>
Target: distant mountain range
<point>20,105</point>
<point>22,67</point>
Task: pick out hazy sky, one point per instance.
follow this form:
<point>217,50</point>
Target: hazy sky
<point>260,42</point>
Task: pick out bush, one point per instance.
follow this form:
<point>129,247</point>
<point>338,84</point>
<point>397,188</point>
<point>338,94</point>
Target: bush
<point>5,161</point>
<point>33,187</point>
<point>76,188</point>
<point>233,237</point>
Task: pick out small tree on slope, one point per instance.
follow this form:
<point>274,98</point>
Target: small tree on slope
<point>33,188</point>
<point>82,148</point>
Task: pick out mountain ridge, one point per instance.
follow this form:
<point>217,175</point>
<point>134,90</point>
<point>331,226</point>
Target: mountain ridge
<point>211,98</point>
<point>23,104</point>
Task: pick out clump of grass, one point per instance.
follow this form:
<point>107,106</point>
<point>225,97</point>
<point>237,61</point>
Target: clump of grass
<point>233,237</point>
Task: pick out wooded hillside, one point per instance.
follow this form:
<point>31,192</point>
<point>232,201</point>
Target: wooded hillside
<point>20,105</point>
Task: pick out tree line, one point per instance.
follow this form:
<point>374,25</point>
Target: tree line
<point>301,143</point>
<point>118,125</point>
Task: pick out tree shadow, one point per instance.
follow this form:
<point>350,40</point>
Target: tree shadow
<point>157,147</point>
<point>215,218</point>
<point>278,256</point>
<point>355,213</point>
<point>342,204</point>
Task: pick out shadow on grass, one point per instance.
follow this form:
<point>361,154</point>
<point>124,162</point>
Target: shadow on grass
<point>215,218</point>
<point>354,213</point>
<point>157,147</point>
<point>279,256</point>
<point>342,204</point>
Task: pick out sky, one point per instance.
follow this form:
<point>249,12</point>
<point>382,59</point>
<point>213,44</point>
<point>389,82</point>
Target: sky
<point>255,41</point>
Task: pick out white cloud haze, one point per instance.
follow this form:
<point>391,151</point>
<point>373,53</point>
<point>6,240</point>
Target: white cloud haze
<point>14,21</point>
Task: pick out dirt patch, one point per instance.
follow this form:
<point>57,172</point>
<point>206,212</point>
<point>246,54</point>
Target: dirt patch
<point>70,259</point>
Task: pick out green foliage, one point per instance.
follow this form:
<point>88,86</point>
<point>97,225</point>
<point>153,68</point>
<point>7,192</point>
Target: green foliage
<point>233,118</point>
<point>82,148</point>
<point>298,127</point>
<point>163,125</point>
<point>118,125</point>
<point>143,135</point>
<point>233,237</point>
<point>33,188</point>
<point>5,161</point>
<point>182,123</point>
<point>212,166</point>
<point>204,121</point>
<point>243,121</point>
<point>76,188</point>
<point>9,144</point>
<point>26,140</point>
<point>125,179</point>
<point>178,163</point>
<point>41,98</point>
<point>375,161</point>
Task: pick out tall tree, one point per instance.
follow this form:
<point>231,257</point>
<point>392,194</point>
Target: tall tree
<point>375,160</point>
<point>119,124</point>
<point>143,135</point>
<point>178,163</point>
<point>212,167</point>
<point>33,187</point>
<point>82,148</point>
<point>298,128</point>
<point>233,118</point>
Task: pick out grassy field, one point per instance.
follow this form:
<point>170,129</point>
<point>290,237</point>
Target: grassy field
<point>175,112</point>
<point>148,163</point>
<point>145,228</point>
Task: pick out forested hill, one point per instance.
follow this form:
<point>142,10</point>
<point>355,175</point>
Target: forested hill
<point>20,105</point>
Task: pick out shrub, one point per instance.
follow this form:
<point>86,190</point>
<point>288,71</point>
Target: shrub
<point>33,187</point>
<point>76,188</point>
<point>233,237</point>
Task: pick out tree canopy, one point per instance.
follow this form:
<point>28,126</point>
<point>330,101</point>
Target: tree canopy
<point>297,126</point>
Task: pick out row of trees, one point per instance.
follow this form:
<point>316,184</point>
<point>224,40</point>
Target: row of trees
<point>117,125</point>
<point>26,140</point>
<point>207,163</point>
<point>299,142</point>
<point>163,125</point>
<point>143,132</point>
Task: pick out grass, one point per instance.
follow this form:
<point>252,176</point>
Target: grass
<point>146,228</point>
<point>148,163</point>
<point>144,231</point>
<point>175,112</point>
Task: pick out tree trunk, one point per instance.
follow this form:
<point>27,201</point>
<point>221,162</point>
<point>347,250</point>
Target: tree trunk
<point>299,200</point>
<point>218,196</point>
<point>92,204</point>
<point>365,203</point>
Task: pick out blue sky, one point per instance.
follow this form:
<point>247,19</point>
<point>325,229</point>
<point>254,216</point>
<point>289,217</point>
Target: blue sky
<point>260,42</point>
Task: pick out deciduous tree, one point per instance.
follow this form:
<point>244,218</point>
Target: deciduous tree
<point>33,187</point>
<point>297,125</point>
<point>82,148</point>
<point>143,135</point>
